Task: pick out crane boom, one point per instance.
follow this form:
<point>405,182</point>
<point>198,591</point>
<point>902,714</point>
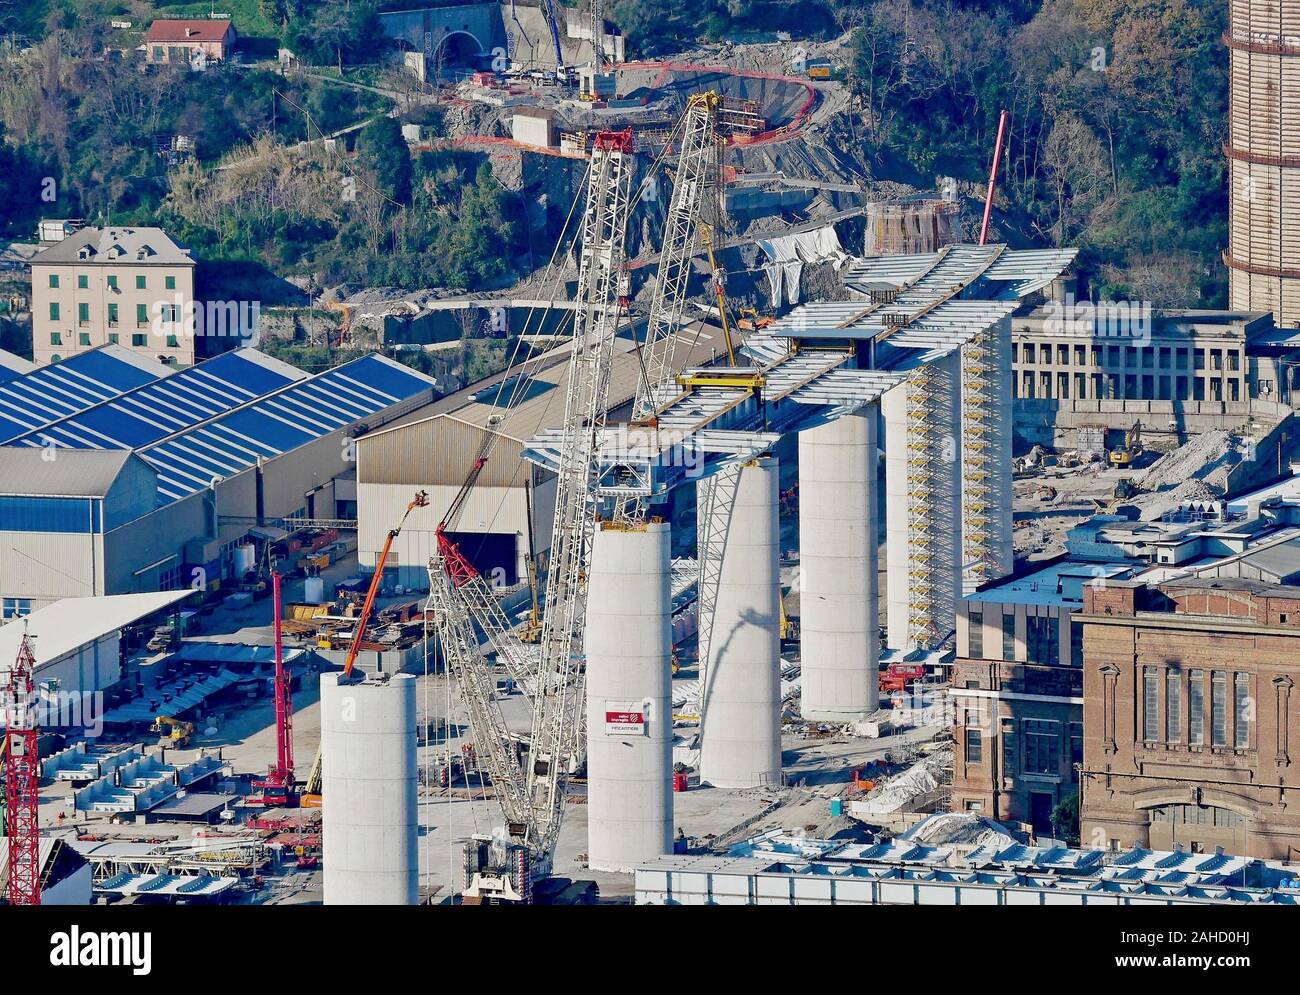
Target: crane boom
<point>22,781</point>
<point>695,162</point>
<point>558,707</point>
<point>421,500</point>
<point>464,661</point>
<point>311,790</point>
<point>561,70</point>
<point>531,793</point>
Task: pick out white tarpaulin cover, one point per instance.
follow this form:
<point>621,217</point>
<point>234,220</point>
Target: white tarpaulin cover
<point>787,255</point>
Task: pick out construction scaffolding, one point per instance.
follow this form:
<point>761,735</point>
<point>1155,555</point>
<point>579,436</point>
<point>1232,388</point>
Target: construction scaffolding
<point>980,551</point>
<point>930,452</point>
<point>907,228</point>
<point>740,117</point>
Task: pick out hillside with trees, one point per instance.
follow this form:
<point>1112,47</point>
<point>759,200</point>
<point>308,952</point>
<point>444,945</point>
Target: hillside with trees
<point>1117,112</point>
<point>1117,117</point>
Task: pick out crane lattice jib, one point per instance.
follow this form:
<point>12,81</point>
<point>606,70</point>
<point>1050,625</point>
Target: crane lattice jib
<point>553,25</point>
<point>558,705</point>
<point>22,781</point>
<point>696,163</point>
<point>473,592</point>
<point>460,648</point>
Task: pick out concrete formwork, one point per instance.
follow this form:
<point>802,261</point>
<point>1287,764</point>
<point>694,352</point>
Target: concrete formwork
<point>740,703</point>
<point>923,504</point>
<point>369,791</point>
<point>628,645</point>
<point>838,567</point>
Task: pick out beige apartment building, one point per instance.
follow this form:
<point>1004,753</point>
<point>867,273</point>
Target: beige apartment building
<point>129,286</point>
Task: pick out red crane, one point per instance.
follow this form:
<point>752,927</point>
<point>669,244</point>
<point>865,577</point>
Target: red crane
<point>993,177</point>
<point>421,500</point>
<point>22,782</point>
<point>277,788</point>
<point>310,798</point>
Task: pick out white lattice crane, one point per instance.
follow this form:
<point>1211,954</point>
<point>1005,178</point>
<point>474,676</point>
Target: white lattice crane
<point>602,297</point>
<point>531,791</point>
<point>696,169</point>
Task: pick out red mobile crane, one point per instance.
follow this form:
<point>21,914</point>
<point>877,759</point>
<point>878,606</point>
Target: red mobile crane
<point>421,500</point>
<point>22,782</point>
<point>278,787</point>
<point>310,797</point>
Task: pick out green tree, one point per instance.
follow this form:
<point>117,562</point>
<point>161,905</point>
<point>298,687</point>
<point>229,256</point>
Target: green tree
<point>382,147</point>
<point>1065,819</point>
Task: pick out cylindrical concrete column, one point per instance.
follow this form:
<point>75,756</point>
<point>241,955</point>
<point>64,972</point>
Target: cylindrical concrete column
<point>628,645</point>
<point>839,629</point>
<point>369,791</point>
<point>923,504</point>
<point>740,701</point>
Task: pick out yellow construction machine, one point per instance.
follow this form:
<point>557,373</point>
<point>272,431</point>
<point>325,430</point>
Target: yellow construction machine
<point>180,730</point>
<point>1132,448</point>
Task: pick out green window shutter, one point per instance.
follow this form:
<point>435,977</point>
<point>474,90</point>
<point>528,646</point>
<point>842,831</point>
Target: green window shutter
<point>112,313</point>
<point>83,338</point>
<point>54,280</point>
<point>139,340</point>
<point>56,338</point>
<point>112,282</point>
<point>54,311</point>
<point>142,314</point>
<point>139,283</point>
<point>169,282</point>
<point>112,338</point>
<point>83,282</point>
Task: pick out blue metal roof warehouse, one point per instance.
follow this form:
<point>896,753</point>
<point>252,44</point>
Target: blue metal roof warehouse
<point>157,478</point>
<point>50,393</point>
<point>218,418</point>
<point>280,422</point>
<point>163,407</point>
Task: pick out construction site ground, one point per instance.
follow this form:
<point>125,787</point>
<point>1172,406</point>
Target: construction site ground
<point>1050,499</point>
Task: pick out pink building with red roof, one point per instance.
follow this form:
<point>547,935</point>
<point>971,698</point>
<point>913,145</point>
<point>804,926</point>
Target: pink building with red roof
<point>183,40</point>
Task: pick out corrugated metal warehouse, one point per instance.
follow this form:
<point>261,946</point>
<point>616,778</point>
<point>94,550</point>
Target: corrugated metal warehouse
<point>152,481</point>
<point>512,500</point>
<point>77,642</point>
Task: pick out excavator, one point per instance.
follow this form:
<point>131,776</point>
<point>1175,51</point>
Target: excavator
<point>310,797</point>
<point>180,730</point>
<point>750,320</point>
<point>1132,448</point>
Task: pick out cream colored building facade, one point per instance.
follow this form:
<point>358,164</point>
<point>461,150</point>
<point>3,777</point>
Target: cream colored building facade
<point>129,286</point>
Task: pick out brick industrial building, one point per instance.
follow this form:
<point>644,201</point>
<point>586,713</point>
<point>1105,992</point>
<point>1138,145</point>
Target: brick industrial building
<point>1189,716</point>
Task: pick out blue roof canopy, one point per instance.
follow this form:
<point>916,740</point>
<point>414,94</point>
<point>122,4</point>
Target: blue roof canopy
<point>281,422</point>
